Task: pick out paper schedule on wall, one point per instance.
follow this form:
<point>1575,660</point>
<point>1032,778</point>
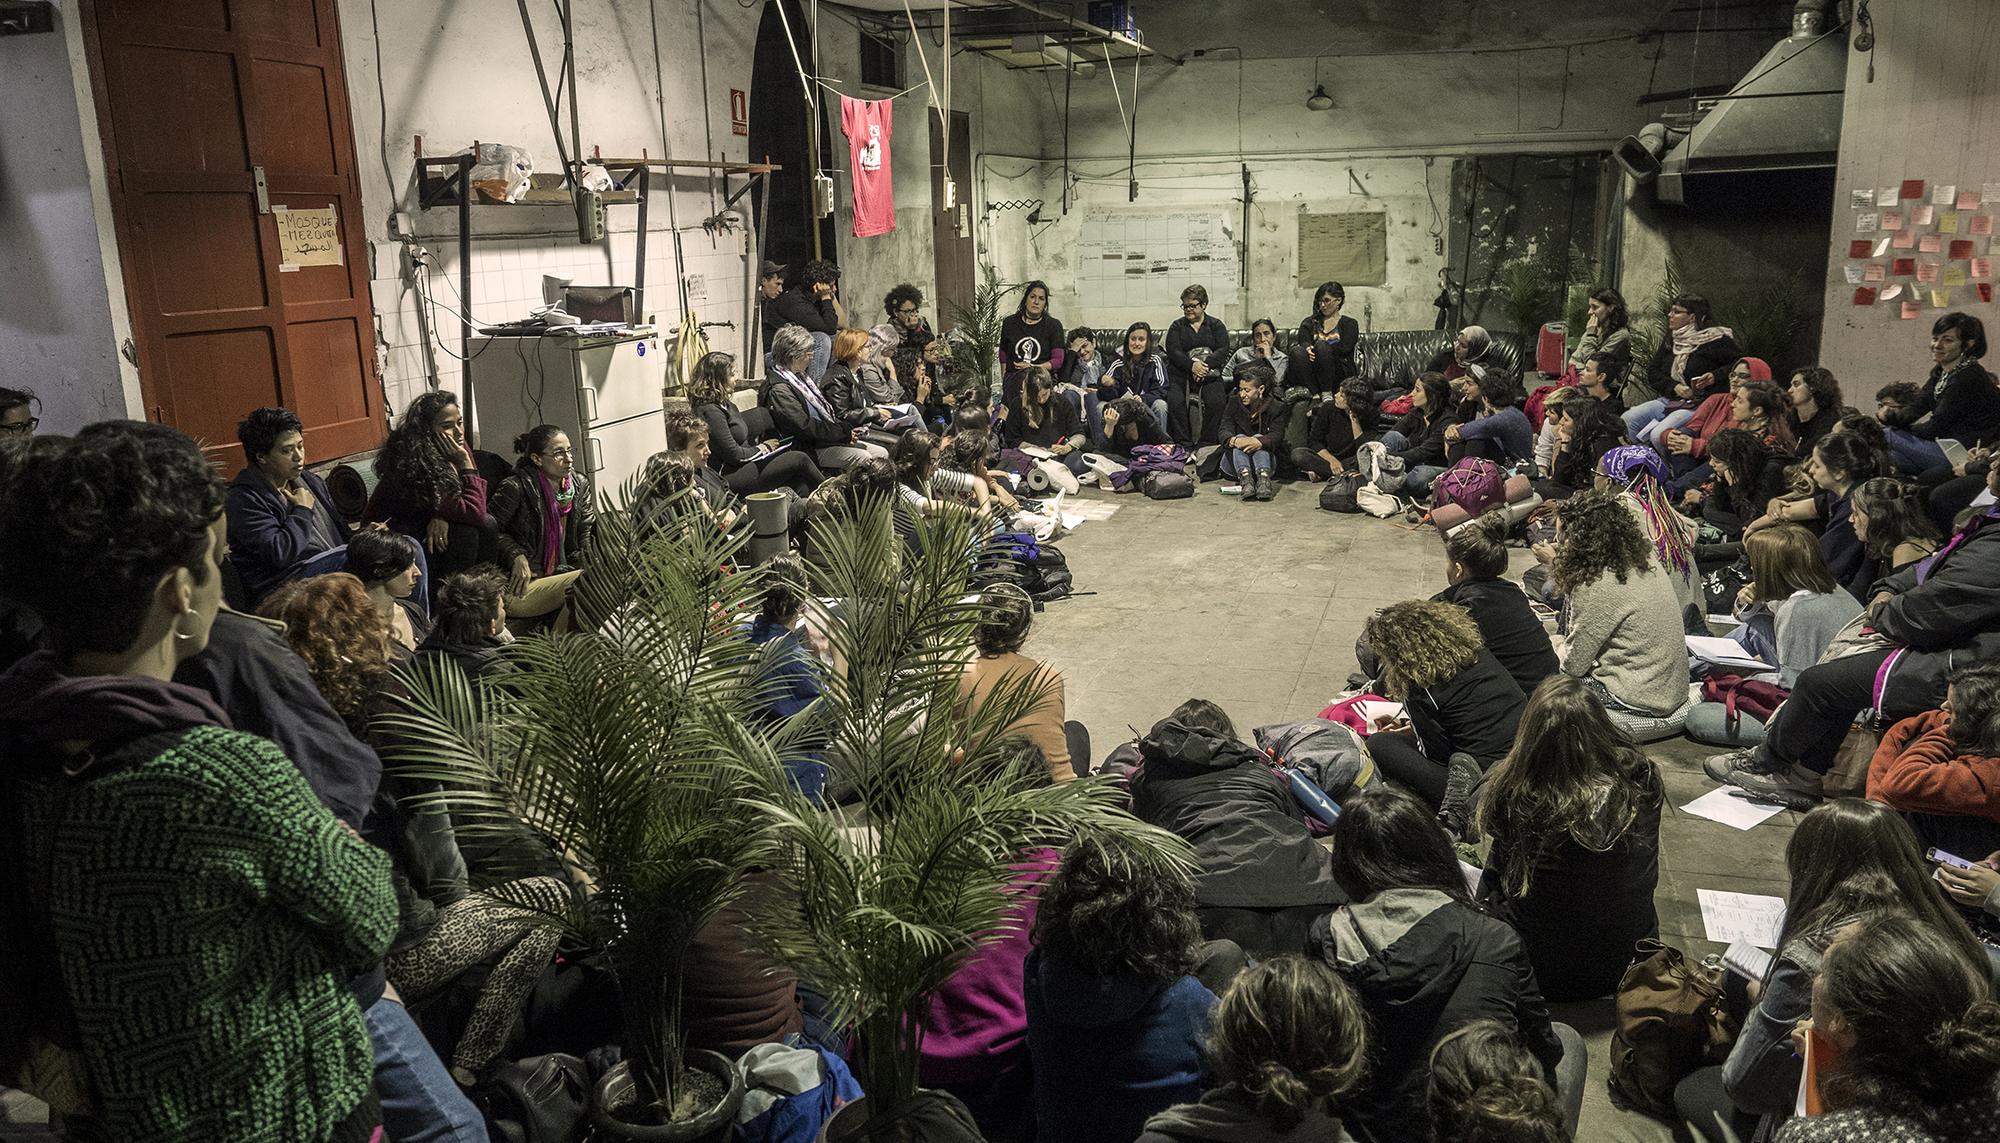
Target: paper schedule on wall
<point>1134,259</point>
<point>1351,248</point>
<point>307,237</point>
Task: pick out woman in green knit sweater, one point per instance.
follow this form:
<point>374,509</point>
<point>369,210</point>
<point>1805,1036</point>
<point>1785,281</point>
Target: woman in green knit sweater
<point>182,914</point>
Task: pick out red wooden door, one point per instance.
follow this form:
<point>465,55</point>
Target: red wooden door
<point>951,229</point>
<point>214,112</point>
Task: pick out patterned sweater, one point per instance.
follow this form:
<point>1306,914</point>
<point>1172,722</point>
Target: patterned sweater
<point>207,912</point>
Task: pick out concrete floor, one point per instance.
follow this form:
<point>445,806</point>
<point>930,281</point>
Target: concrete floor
<point>1257,607</point>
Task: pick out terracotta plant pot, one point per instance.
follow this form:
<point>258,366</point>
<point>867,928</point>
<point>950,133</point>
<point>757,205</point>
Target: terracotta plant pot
<point>614,1093</point>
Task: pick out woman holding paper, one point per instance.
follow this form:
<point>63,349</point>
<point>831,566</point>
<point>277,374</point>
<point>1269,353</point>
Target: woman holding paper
<point>1848,861</point>
<point>1959,402</point>
<point>1791,610</point>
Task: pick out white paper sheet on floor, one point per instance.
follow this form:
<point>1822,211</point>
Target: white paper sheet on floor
<point>1731,808</point>
<point>1748,917</point>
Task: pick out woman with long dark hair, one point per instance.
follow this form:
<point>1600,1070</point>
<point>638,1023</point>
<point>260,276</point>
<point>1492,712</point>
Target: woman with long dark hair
<point>1418,436</point>
<point>1937,767</point>
<point>1425,960</point>
<point>1573,811</point>
<point>431,490</point>
<point>748,464</point>
<point>1842,462</point>
<point>1848,861</point>
<point>1138,372</point>
<point>1816,407</point>
<point>1892,522</point>
<point>1749,474</point>
<point>546,513</point>
<point>1326,340</point>
<point>1117,1005</point>
<point>1032,336</point>
<point>1607,330</point>
<point>1047,420</point>
<point>1253,425</point>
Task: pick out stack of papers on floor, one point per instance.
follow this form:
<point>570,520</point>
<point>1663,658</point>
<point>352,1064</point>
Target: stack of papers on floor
<point>1726,653</point>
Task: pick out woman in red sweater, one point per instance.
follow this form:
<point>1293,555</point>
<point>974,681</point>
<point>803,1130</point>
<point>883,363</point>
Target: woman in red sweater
<point>1942,767</point>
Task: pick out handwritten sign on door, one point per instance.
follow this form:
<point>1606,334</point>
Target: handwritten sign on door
<point>307,237</point>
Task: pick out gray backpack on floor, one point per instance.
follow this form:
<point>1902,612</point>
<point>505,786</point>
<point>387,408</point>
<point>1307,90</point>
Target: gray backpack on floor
<point>1380,467</point>
<point>1167,486</point>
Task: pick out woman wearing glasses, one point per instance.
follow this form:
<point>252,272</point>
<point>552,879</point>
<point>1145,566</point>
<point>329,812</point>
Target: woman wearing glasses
<point>1197,348</point>
<point>1691,365</point>
<point>17,413</point>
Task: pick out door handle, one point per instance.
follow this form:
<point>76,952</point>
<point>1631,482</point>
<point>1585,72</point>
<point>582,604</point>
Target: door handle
<point>263,190</point>
<point>596,454</point>
<point>588,393</point>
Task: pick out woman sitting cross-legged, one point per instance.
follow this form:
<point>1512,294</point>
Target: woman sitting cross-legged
<point>1573,812</point>
<point>1942,767</point>
<point>1584,430</point>
<point>860,388</point>
<point>748,464</point>
<point>1849,863</point>
<point>1790,610</point>
<point>1958,401</point>
<point>1418,437</point>
<point>1338,430</point>
<point>1687,368</point>
<point>1119,988</point>
<point>1905,1017</point>
<point>447,929</point>
<point>1712,413</point>
<point>431,490</point>
<point>1842,462</point>
<point>386,564</point>
<point>1290,1040</point>
<point>1000,666</point>
<point>1045,419</point>
<point>546,514</point>
<point>1140,372</point>
<point>1127,423</point>
<point>1463,706</point>
<point>1252,426</point>
<point>800,410</point>
<point>1262,878</point>
<point>1425,962</point>
<point>1500,432</point>
<point>1623,622</point>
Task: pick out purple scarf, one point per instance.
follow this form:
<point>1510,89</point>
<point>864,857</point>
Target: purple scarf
<point>553,512</point>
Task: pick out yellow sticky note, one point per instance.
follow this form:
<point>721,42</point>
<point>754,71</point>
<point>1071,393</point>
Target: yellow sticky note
<point>1948,222</point>
<point>1940,298</point>
<point>1954,275</point>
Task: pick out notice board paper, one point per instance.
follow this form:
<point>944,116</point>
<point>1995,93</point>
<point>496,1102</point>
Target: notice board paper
<point>308,237</point>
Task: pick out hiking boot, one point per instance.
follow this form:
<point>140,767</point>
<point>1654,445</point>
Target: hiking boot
<point>1724,767</point>
<point>1794,787</point>
<point>1462,776</point>
<point>1263,484</point>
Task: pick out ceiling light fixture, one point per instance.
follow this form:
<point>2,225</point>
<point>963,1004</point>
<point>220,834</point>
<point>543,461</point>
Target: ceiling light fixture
<point>1319,100</point>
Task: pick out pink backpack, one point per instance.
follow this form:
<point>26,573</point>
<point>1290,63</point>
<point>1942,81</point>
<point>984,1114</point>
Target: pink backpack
<point>1474,484</point>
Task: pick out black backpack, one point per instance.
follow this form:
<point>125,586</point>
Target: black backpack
<point>542,1099</point>
<point>1340,493</point>
<point>1046,576</point>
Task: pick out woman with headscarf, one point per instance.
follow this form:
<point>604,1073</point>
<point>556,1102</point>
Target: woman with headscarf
<point>1467,355</point>
<point>1687,368</point>
<point>1642,475</point>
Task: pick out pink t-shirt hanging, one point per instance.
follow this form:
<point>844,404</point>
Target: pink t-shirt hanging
<point>867,124</point>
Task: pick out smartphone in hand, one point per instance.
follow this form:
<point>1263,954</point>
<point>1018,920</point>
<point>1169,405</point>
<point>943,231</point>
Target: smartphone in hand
<point>1937,856</point>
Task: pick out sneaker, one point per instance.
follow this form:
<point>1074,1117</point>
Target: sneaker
<point>1723,767</point>
<point>1462,777</point>
<point>1793,787</point>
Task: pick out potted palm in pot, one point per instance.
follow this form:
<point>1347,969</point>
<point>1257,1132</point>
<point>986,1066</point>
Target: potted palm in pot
<point>975,333</point>
<point>633,755</point>
<point>886,902</point>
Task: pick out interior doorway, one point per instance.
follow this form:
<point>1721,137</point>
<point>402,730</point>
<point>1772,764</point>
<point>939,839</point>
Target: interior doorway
<point>781,127</point>
<point>951,224</point>
<point>220,119</point>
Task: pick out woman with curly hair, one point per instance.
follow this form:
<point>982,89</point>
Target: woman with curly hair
<point>446,929</point>
<point>1290,1039</point>
<point>1892,521</point>
<point>431,490</point>
<point>748,465</point>
<point>1624,624</point>
<point>1816,407</point>
<point>1462,704</point>
<point>1486,1088</point>
<point>1573,812</point>
<point>1118,993</point>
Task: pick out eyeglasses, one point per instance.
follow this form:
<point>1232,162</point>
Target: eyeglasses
<point>1190,305</point>
<point>22,428</point>
<point>907,311</point>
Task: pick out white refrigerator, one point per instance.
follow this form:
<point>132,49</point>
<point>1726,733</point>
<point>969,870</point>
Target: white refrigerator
<point>604,391</point>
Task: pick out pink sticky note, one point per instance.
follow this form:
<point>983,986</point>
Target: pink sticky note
<point>1875,272</point>
<point>1859,248</point>
<point>1912,310</point>
<point>1921,216</point>
<point>1905,240</point>
<point>1892,220</point>
<point>1968,200</point>
<point>1981,224</point>
<point>1927,272</point>
<point>1930,244</point>
<point>1982,267</point>
<point>1864,295</point>
<point>1961,248</point>
<point>1912,189</point>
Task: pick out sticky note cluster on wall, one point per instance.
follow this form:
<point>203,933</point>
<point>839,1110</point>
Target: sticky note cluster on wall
<point>1921,245</point>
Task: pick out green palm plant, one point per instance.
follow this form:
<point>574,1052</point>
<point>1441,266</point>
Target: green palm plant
<point>633,753</point>
<point>879,917</point>
<point>975,334</point>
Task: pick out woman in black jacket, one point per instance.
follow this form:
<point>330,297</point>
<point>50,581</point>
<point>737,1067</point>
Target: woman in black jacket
<point>800,410</point>
<point>1324,346</point>
<point>1476,568</point>
<point>1425,962</point>
<point>1462,704</point>
<point>1816,406</point>
<point>1574,815</point>
<point>1127,422</point>
<point>1691,365</point>
<point>1046,420</point>
<point>1252,426</point>
<point>1338,430</point>
<point>1749,474</point>
<point>1418,435</point>
<point>1959,401</point>
<point>546,515</point>
<point>746,463</point>
<point>1197,349</point>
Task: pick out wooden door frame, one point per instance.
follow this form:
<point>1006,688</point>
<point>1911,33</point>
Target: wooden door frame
<point>149,343</point>
<point>961,124</point>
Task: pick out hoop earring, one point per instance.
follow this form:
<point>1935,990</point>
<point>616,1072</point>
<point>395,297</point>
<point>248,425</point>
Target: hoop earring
<point>178,633</point>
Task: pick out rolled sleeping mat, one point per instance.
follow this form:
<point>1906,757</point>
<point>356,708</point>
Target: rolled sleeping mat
<point>770,524</point>
<point>351,482</point>
<point>1520,490</point>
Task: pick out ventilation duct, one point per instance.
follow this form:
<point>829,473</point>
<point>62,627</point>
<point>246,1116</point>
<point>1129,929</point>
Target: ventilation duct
<point>1784,115</point>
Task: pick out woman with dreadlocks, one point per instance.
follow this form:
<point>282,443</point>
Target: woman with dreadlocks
<point>1643,477</point>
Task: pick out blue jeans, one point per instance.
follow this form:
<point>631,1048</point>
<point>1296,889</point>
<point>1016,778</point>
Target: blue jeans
<point>1240,464</point>
<point>822,356</point>
<point>420,1101</point>
<point>1912,453</point>
<point>1394,441</point>
<point>1417,482</point>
